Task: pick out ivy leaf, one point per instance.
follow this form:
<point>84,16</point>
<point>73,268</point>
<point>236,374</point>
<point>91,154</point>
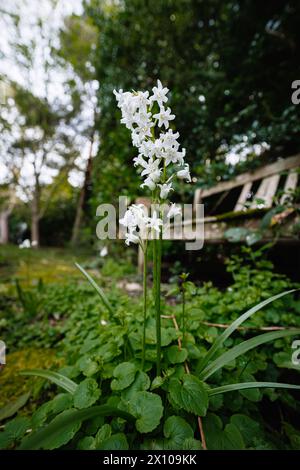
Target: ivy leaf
<point>176,431</point>
<point>147,408</point>
<point>124,375</point>
<point>86,394</point>
<point>190,394</point>
<point>176,355</point>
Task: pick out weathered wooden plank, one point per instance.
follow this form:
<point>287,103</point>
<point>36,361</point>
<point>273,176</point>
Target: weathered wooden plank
<point>267,170</point>
<point>266,191</point>
<point>290,185</point>
<point>243,197</point>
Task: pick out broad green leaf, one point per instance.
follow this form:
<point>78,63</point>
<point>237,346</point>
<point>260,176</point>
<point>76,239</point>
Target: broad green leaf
<point>115,442</point>
<point>87,366</point>
<point>249,428</point>
<point>218,438</point>
<point>176,431</point>
<point>64,426</point>
<point>191,444</point>
<point>244,347</point>
<point>61,402</point>
<point>246,385</point>
<point>148,409</point>
<point>97,288</point>
<point>13,431</point>
<point>124,375</point>
<point>86,394</point>
<point>141,382</point>
<point>176,355</point>
<point>103,434</point>
<point>190,394</point>
<point>55,377</point>
<point>87,443</point>
<point>234,325</point>
<point>9,410</point>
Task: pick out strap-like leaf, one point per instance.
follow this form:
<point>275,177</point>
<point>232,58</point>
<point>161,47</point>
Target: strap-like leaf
<point>43,438</point>
<point>97,288</point>
<point>248,385</point>
<point>242,348</point>
<point>234,325</point>
<point>9,410</point>
<point>59,379</point>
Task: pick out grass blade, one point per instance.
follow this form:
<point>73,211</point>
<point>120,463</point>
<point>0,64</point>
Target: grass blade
<point>97,288</point>
<point>234,325</point>
<point>45,437</point>
<point>9,410</point>
<point>242,348</point>
<point>59,379</point>
<point>248,385</point>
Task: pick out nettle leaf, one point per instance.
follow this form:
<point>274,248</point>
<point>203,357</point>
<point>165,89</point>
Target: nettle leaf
<point>141,382</point>
<point>124,375</point>
<point>218,438</point>
<point>147,408</point>
<point>87,393</point>
<point>115,442</point>
<point>176,355</point>
<point>176,431</point>
<point>190,394</point>
<point>249,428</point>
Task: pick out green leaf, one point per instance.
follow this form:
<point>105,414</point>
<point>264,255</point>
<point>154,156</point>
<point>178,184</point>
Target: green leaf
<point>191,444</point>
<point>148,409</point>
<point>249,428</point>
<point>248,385</point>
<point>189,394</point>
<point>124,375</point>
<point>176,355</point>
<point>9,410</point>
<point>140,383</point>
<point>13,431</point>
<point>55,377</point>
<point>115,442</point>
<point>97,288</point>
<point>103,434</point>
<point>64,426</point>
<point>244,347</point>
<point>234,325</point>
<point>86,394</point>
<point>87,366</point>
<point>176,431</point>
<point>218,438</point>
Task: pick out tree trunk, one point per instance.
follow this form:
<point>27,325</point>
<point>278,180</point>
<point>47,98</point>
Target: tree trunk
<point>35,218</point>
<point>4,229</point>
<point>82,197</point>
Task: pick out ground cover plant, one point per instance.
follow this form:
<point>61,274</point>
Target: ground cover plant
<point>152,375</point>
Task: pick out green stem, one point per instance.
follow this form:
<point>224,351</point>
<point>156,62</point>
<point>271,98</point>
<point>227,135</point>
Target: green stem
<point>183,311</point>
<point>156,286</point>
<point>144,306</point>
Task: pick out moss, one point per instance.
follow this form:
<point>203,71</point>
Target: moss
<point>13,385</point>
